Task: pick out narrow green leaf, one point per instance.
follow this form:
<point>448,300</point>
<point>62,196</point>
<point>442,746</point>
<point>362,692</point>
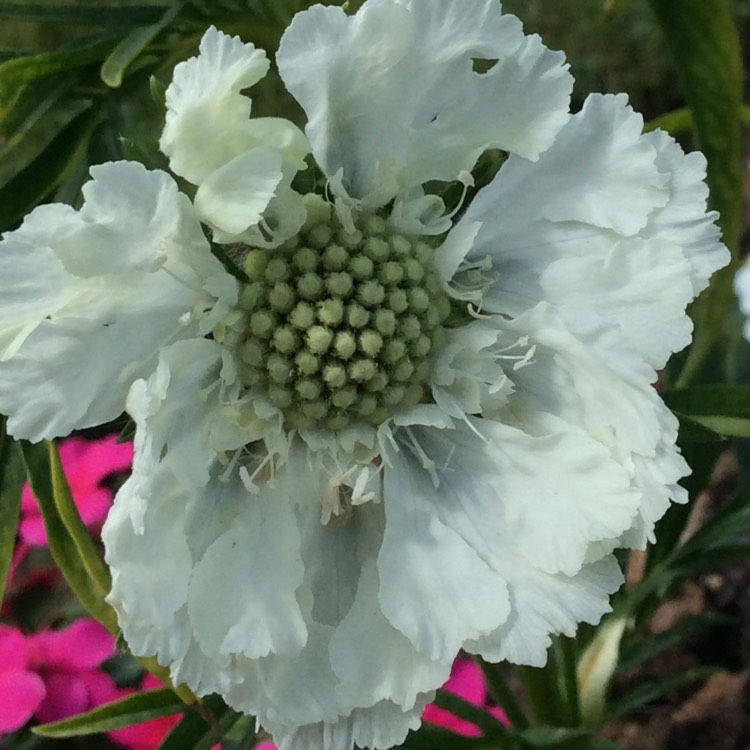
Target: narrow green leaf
<point>103,14</point>
<point>62,545</point>
<point>195,730</point>
<point>710,400</point>
<point>133,709</point>
<point>114,67</point>
<point>75,527</point>
<point>647,692</point>
<point>17,73</point>
<point>681,120</point>
<point>12,476</point>
<point>489,725</point>
<point>692,431</point>
<point>706,48</point>
<point>502,694</point>
<point>433,738</point>
<point>559,738</point>
<point>645,649</point>
<point>726,426</point>
<point>30,110</point>
<point>708,560</point>
<point>726,527</point>
<point>47,170</point>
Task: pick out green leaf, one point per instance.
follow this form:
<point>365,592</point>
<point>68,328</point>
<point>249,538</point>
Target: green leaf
<point>71,553</point>
<point>104,14</point>
<point>39,177</point>
<point>17,73</point>
<point>706,48</point>
<point>647,692</point>
<point>133,709</point>
<point>724,528</point>
<point>194,731</point>
<point>114,67</point>
<point>30,110</point>
<point>558,738</point>
<point>645,649</point>
<point>681,120</point>
<point>501,693</point>
<point>725,426</point>
<point>708,560</point>
<point>12,476</point>
<point>710,400</point>
<point>428,737</point>
<point>490,726</point>
<point>692,431</point>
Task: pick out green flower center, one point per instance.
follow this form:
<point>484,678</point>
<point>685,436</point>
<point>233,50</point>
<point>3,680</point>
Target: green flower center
<point>341,326</point>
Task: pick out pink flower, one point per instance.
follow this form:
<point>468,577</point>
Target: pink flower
<point>86,463</point>
<point>467,682</point>
<point>53,674</point>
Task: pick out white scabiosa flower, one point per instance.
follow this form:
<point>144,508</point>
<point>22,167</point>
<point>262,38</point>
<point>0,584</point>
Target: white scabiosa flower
<point>401,417</point>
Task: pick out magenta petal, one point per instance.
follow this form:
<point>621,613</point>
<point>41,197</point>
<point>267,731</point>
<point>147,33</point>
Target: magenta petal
<point>71,694</point>
<point>14,650</point>
<point>32,529</point>
<point>94,506</point>
<point>21,692</point>
<point>81,646</point>
<point>467,682</point>
<point>67,695</point>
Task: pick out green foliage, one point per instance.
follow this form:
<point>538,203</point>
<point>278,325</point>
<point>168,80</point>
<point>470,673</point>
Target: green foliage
<point>705,45</point>
<point>647,692</point>
<point>70,544</point>
<point>12,476</point>
<point>201,727</point>
<point>132,709</point>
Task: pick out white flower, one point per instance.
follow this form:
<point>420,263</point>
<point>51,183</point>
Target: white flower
<point>399,428</point>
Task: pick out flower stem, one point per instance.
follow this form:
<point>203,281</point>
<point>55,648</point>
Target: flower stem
<point>552,690</point>
<point>502,694</point>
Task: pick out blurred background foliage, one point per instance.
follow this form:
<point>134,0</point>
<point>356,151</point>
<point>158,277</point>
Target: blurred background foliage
<point>74,75</point>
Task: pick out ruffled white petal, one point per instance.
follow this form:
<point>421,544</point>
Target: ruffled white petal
<point>125,274</point>
<point>543,604</point>
<point>427,558</point>
<point>568,382</point>
<point>335,675</point>
<point>240,164</point>
<point>384,725</point>
<point>685,221</point>
<point>207,117</point>
<point>242,591</point>
<point>234,196</point>
<point>392,98</point>
<point>601,227</point>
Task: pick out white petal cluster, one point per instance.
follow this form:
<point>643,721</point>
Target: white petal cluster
<point>323,581</point>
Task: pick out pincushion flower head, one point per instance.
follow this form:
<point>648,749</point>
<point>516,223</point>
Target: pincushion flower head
<point>382,415</point>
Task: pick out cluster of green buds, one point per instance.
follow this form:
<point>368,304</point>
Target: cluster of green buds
<point>341,325</point>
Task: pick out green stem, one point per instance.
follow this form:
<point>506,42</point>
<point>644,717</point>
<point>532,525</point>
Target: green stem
<point>553,690</point>
<point>541,690</point>
<point>489,725</point>
<point>565,651</point>
<point>502,694</point>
